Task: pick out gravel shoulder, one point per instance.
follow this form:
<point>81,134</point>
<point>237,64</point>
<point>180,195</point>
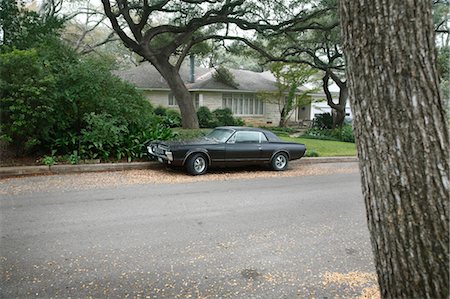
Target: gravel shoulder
<point>159,174</point>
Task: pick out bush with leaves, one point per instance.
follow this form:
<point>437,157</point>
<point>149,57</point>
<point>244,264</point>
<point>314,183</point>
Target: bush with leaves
<point>206,119</point>
<point>345,134</point>
<point>219,117</point>
<point>323,121</point>
<point>225,118</point>
<point>52,99</point>
<point>168,117</point>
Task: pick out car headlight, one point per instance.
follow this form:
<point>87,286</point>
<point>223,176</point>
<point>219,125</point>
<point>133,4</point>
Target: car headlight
<point>150,149</point>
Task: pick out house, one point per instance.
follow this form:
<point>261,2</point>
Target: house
<point>242,99</point>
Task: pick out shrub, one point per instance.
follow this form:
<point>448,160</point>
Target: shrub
<point>160,110</point>
<point>219,117</point>
<point>102,136</point>
<point>312,153</point>
<point>53,99</point>
<point>206,119</point>
<point>323,121</point>
<point>173,118</point>
<point>225,118</point>
<point>168,117</point>
<point>344,134</point>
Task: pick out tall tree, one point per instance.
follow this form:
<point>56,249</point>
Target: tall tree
<point>402,139</point>
<point>315,41</point>
<point>289,78</point>
<point>164,32</point>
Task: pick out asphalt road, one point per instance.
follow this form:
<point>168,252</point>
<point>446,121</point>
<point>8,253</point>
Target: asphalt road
<point>290,237</point>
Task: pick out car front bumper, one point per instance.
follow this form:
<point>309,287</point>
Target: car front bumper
<point>159,153</point>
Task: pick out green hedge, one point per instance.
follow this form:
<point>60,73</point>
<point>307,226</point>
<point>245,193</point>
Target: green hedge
<point>55,102</point>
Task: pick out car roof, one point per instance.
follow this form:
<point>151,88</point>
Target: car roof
<point>270,135</point>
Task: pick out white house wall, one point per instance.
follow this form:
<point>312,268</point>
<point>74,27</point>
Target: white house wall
<point>158,98</point>
<point>322,107</point>
<point>213,100</point>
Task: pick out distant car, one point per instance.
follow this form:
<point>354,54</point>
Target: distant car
<point>227,146</point>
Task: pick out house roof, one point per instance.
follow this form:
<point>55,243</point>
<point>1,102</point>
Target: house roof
<point>146,76</point>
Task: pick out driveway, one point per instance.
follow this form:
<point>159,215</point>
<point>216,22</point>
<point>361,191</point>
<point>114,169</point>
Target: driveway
<point>231,234</point>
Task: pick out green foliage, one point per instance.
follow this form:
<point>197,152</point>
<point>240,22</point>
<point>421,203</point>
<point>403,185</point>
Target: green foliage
<point>322,129</point>
<point>225,118</point>
<point>168,117</point>
<point>27,101</point>
<point>74,158</point>
<point>312,153</point>
<point>173,118</point>
<point>224,76</point>
<point>219,117</point>
<point>189,134</point>
<point>49,160</point>
<point>102,136</point>
<point>289,77</point>
<point>206,118</point>
<point>52,99</point>
<point>23,28</point>
<point>344,134</point>
<point>323,121</point>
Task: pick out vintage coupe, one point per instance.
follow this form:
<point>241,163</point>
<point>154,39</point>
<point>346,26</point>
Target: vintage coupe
<point>227,146</point>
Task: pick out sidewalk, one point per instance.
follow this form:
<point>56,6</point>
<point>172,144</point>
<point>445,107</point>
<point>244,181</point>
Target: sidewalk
<point>64,169</point>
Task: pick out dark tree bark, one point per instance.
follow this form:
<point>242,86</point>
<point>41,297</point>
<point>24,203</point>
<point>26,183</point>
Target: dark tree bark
<point>402,140</point>
<point>338,108</point>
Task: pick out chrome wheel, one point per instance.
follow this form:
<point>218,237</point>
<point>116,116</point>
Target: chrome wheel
<point>280,162</point>
<point>199,164</point>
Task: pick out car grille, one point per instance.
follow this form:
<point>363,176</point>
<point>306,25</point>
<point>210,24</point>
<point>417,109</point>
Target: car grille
<point>160,150</point>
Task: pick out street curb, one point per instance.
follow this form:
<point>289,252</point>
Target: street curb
<point>65,169</point>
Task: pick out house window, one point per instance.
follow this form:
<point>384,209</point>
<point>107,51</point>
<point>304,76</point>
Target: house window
<point>243,103</point>
<point>196,99</point>
<point>172,101</point>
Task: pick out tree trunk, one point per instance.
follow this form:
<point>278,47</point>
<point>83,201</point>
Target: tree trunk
<point>338,117</point>
<point>283,119</point>
<point>182,95</point>
<point>338,110</point>
<point>402,140</point>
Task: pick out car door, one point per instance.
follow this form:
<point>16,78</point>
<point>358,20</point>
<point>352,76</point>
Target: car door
<point>243,146</point>
<point>267,148</point>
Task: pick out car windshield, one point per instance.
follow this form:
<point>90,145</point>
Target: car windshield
<point>221,135</point>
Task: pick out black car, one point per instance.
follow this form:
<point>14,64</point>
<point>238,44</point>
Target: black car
<point>227,146</point>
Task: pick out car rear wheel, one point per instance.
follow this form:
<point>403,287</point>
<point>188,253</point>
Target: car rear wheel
<point>280,162</point>
<point>197,164</point>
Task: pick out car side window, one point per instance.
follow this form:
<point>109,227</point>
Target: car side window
<point>247,137</point>
<point>263,138</point>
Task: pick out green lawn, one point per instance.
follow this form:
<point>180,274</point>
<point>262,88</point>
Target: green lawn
<point>326,148</point>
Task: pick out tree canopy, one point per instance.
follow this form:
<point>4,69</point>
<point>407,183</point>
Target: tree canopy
<point>164,32</point>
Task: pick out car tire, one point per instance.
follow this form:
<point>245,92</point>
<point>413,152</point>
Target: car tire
<point>280,162</point>
<point>197,164</point>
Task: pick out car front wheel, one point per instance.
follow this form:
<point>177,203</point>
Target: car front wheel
<point>197,164</point>
<point>280,162</point>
